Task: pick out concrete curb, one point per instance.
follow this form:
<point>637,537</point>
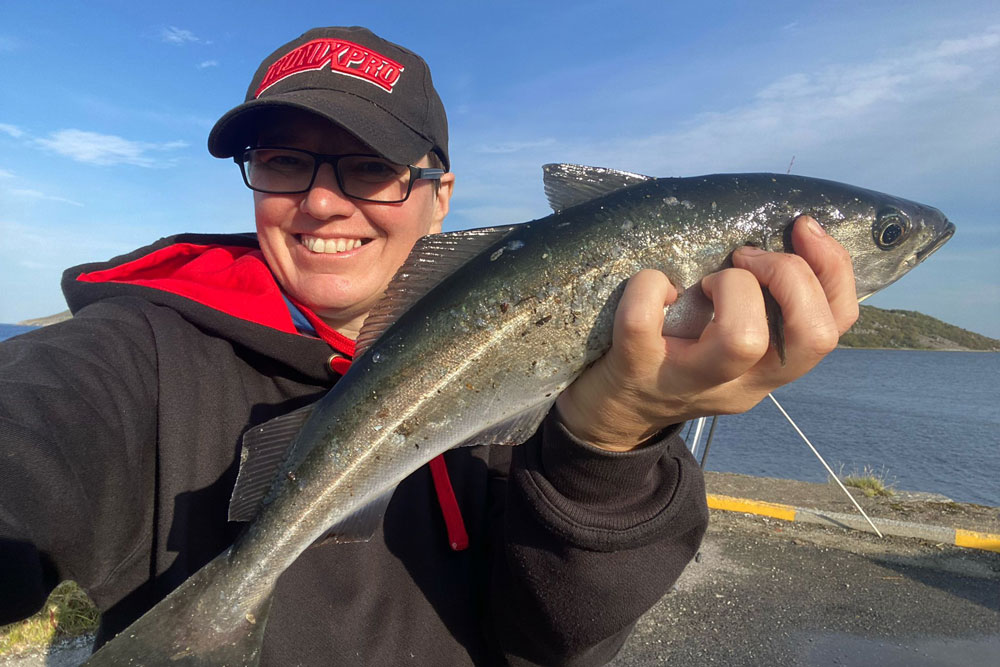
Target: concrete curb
<point>955,536</point>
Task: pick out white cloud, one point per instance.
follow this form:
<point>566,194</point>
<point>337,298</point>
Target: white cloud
<point>989,40</point>
<point>922,110</point>
<point>513,146</point>
<point>49,248</point>
<point>208,63</point>
<point>4,173</point>
<point>118,112</point>
<point>919,120</point>
<point>11,130</point>
<point>105,149</point>
<point>175,35</point>
<point>41,196</point>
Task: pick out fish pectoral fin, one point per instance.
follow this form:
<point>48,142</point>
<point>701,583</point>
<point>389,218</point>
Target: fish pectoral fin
<point>571,184</point>
<point>361,525</point>
<point>775,324</point>
<point>434,257</point>
<point>266,449</point>
<point>513,430</point>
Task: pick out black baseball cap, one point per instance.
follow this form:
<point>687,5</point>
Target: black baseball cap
<point>376,90</point>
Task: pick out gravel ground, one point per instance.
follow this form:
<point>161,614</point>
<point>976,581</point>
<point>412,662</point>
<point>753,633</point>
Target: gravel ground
<point>769,592</point>
<point>66,653</point>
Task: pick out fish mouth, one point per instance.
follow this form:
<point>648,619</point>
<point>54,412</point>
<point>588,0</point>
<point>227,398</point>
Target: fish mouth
<point>946,234</point>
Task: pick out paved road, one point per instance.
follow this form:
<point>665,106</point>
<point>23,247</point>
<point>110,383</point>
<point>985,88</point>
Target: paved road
<point>770,592</point>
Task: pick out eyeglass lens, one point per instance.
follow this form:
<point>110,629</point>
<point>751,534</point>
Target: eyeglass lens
<point>286,170</point>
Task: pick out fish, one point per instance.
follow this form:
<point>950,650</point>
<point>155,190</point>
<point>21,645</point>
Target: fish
<point>477,334</point>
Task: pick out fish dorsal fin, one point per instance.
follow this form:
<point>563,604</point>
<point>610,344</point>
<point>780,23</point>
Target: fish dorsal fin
<point>434,257</point>
<point>265,453</point>
<point>571,184</point>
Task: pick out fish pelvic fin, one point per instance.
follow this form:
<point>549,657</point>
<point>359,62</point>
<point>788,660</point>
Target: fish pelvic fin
<point>194,625</point>
<point>515,429</point>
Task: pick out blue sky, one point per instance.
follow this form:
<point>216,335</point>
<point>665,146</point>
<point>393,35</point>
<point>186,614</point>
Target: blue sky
<point>105,108</point>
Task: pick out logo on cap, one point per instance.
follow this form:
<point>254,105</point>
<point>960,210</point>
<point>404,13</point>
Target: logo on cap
<point>341,56</point>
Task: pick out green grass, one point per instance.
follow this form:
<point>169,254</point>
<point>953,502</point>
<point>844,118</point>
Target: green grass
<point>871,482</point>
<point>67,613</point>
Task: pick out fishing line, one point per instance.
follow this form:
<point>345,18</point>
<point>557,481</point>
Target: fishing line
<point>836,479</point>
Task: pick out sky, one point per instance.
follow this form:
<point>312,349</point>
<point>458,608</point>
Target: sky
<point>105,108</point>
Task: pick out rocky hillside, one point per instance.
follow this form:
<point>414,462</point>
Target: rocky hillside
<point>908,329</point>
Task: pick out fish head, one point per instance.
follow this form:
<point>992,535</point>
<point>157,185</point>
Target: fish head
<point>887,237</point>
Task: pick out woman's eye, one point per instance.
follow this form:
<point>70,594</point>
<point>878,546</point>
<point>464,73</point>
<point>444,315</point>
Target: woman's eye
<point>285,161</point>
<point>375,168</point>
<point>372,170</point>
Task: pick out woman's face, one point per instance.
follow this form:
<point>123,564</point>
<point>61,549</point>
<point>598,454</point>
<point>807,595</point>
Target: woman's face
<point>331,253</point>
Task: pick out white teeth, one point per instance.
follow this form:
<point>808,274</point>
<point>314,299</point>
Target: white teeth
<point>329,246</point>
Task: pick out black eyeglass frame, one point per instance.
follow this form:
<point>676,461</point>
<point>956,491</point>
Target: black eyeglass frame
<point>319,159</point>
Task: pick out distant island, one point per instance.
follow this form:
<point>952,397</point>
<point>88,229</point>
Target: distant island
<point>910,330</point>
<point>45,321</point>
<point>875,328</point>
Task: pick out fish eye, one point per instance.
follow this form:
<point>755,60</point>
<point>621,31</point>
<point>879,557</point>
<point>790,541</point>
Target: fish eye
<point>890,229</point>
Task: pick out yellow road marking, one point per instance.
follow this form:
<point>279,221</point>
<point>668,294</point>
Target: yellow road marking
<point>785,512</point>
<point>976,540</point>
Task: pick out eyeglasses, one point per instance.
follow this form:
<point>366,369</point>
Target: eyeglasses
<point>278,170</point>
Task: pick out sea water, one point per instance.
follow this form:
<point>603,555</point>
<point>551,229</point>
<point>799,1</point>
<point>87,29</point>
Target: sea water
<point>925,421</point>
<point>11,330</point>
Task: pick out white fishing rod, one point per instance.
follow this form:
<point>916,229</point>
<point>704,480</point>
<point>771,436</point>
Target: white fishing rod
<point>828,469</point>
<point>699,426</point>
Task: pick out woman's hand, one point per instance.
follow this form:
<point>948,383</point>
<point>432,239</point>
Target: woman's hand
<point>647,382</point>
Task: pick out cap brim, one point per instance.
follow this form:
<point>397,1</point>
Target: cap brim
<point>385,133</point>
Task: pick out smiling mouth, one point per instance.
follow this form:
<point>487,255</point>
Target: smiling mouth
<point>330,246</point>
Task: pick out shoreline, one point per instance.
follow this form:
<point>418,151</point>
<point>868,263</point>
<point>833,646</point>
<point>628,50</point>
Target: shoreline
<point>916,349</point>
<point>927,516</point>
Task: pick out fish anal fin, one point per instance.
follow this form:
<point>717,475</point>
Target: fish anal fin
<point>361,525</point>
<point>513,430</point>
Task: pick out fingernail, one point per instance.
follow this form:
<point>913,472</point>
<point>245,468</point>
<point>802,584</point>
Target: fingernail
<point>751,251</point>
<point>814,227</point>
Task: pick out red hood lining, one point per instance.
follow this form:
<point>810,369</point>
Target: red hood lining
<point>231,279</point>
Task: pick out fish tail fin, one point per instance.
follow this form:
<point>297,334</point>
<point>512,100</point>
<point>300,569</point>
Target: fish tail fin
<point>194,625</point>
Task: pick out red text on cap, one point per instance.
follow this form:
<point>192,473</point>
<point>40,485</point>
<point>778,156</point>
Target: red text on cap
<point>342,57</point>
